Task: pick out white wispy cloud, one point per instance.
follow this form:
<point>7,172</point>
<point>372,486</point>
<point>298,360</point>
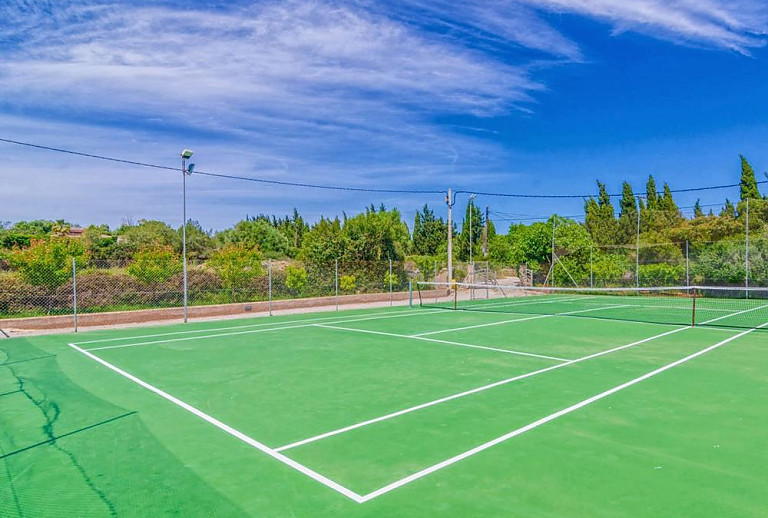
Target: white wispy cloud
<point>330,91</point>
<point>733,24</point>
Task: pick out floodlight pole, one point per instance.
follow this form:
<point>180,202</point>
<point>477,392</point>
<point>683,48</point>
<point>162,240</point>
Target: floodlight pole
<point>449,201</point>
<point>637,252</point>
<point>471,261</point>
<point>185,154</point>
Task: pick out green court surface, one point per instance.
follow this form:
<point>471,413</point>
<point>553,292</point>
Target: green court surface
<point>408,412</point>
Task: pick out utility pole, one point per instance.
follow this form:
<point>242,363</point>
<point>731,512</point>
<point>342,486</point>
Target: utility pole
<point>485,233</point>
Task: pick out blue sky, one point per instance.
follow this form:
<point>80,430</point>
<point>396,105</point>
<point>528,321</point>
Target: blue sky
<point>528,96</point>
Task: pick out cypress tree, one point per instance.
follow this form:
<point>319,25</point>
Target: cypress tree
<point>599,217</point>
<point>628,214</point>
<point>748,188</point>
<point>697,212</point>
<point>729,211</point>
<point>650,192</point>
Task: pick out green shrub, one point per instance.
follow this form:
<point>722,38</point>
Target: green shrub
<point>47,262</point>
<point>296,278</point>
<point>661,274</point>
<point>155,266</point>
<point>236,264</point>
<point>347,283</point>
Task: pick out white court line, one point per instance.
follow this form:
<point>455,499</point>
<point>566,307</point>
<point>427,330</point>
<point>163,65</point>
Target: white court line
<point>254,331</point>
<point>473,391</point>
<point>516,301</point>
<point>547,419</point>
<point>394,335</point>
<point>287,322</point>
<point>731,315</point>
<point>612,306</point>
<point>235,433</point>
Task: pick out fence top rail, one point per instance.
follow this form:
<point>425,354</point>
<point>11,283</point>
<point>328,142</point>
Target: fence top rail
<point>591,289</point>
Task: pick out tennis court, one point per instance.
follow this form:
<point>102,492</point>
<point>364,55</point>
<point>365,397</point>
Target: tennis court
<point>564,404</point>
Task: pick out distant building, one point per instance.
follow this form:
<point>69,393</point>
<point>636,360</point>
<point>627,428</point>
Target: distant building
<point>76,232</point>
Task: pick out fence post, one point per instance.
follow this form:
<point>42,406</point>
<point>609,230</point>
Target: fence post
<point>269,286</point>
<point>591,269</point>
<point>390,283</point>
<point>487,277</point>
<point>746,254</point>
<point>336,282</point>
<point>74,292</point>
<point>687,265</point>
<point>410,294</point>
<point>435,287</point>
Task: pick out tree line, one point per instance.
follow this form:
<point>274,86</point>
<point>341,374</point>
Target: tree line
<point>608,233</point>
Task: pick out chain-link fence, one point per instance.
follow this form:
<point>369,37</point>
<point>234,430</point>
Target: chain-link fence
<point>728,262</point>
<point>134,289</point>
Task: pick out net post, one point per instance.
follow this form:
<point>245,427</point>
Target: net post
<point>693,312</point>
<point>74,293</point>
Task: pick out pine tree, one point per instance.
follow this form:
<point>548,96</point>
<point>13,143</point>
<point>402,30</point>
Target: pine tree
<point>697,212</point>
<point>749,188</point>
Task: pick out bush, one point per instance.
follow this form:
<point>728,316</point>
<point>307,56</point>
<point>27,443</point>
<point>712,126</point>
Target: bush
<point>296,278</point>
<point>661,274</point>
<point>155,265</point>
<point>236,264</point>
<point>347,283</point>
<point>47,262</point>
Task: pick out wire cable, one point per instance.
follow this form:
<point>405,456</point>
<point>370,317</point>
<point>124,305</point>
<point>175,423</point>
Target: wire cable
<point>347,188</point>
<point>222,175</point>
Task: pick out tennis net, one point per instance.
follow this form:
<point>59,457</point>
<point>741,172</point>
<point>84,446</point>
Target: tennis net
<point>676,305</point>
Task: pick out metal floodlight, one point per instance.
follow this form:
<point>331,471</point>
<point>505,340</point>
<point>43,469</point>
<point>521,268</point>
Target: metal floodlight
<point>190,168</point>
<point>187,153</point>
<point>472,196</point>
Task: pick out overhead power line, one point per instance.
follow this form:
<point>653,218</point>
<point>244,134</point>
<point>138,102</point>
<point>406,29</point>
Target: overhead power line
<point>222,175</point>
<point>348,188</point>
